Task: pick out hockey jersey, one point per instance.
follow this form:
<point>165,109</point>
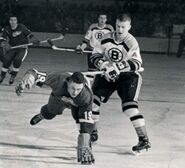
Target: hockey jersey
<point>113,51</point>
<point>58,82</point>
<point>95,33</point>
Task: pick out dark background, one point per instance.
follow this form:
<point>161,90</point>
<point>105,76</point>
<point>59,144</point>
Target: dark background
<point>149,18</point>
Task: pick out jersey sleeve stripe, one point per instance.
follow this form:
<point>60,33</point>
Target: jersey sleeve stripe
<point>132,65</point>
<point>86,41</point>
<point>95,58</point>
<point>108,40</point>
<point>125,46</point>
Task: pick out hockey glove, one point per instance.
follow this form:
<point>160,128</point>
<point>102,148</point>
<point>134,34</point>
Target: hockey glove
<point>111,71</point>
<point>26,83</point>
<point>35,42</point>
<point>84,150</point>
<point>79,49</point>
<point>6,47</point>
<point>29,79</point>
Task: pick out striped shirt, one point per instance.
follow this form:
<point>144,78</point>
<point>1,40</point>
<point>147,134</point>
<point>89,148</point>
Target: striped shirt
<point>95,33</point>
<point>110,50</point>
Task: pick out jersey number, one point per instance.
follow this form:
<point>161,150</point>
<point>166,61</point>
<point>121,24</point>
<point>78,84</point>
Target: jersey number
<point>88,115</point>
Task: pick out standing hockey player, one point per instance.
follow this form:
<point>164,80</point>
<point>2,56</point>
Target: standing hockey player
<point>14,34</point>
<point>93,36</point>
<point>68,91</point>
<point>181,44</point>
<point>119,56</point>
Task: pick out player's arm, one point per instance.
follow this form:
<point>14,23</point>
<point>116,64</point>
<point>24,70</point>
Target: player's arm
<point>31,77</point>
<point>34,77</point>
<point>30,36</point>
<point>111,71</point>
<point>84,148</point>
<point>4,40</point>
<point>133,63</point>
<point>80,48</point>
<point>33,39</point>
<point>97,57</point>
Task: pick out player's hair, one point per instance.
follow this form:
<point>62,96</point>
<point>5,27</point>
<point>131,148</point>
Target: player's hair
<point>98,15</point>
<point>124,17</point>
<point>12,15</point>
<point>77,77</point>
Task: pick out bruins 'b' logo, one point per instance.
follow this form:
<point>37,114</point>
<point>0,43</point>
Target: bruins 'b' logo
<point>99,35</point>
<point>115,54</point>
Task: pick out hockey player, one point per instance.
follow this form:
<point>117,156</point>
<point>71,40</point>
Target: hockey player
<point>12,35</point>
<point>92,37</point>
<point>181,44</point>
<point>68,91</point>
<point>119,56</point>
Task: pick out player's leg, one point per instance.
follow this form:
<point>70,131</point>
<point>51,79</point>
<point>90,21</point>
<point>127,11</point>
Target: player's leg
<point>180,48</point>
<point>83,118</point>
<point>91,66</point>
<point>6,64</point>
<point>128,90</point>
<point>49,111</point>
<point>21,54</point>
<point>1,54</point>
<point>102,90</point>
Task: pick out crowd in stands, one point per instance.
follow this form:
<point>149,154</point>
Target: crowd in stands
<point>149,19</point>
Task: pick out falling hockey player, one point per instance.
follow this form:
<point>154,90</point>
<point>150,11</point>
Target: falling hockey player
<point>68,91</point>
<point>119,55</point>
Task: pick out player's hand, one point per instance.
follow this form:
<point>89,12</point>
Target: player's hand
<point>36,42</point>
<point>111,71</point>
<point>104,65</point>
<point>84,151</point>
<point>85,156</point>
<point>6,46</point>
<point>50,42</point>
<point>19,89</point>
<point>79,49</point>
<point>27,82</point>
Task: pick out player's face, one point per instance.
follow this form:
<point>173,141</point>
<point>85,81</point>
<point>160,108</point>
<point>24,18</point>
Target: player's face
<point>13,22</point>
<point>102,19</point>
<point>74,89</point>
<point>122,27</point>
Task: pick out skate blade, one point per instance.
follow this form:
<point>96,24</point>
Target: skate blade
<point>139,152</point>
<point>94,143</point>
<point>136,153</point>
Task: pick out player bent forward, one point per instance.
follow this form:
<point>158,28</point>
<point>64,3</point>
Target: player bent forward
<point>68,91</point>
<point>119,56</point>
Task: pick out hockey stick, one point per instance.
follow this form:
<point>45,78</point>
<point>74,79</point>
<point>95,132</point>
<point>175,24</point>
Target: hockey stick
<point>68,49</point>
<point>44,41</point>
<point>90,73</point>
<point>54,47</point>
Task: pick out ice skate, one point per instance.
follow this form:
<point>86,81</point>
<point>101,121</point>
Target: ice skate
<point>12,78</point>
<point>36,119</point>
<point>1,78</point>
<point>94,136</point>
<point>142,145</point>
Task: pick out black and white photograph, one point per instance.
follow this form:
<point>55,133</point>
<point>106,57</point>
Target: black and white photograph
<point>92,83</point>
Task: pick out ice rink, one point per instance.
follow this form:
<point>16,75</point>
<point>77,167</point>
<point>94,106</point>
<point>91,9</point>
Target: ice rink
<point>52,144</point>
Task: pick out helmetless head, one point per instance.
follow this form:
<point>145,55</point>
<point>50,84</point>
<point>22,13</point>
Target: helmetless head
<point>102,19</point>
<point>123,25</point>
<point>75,84</point>
<point>13,22</point>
